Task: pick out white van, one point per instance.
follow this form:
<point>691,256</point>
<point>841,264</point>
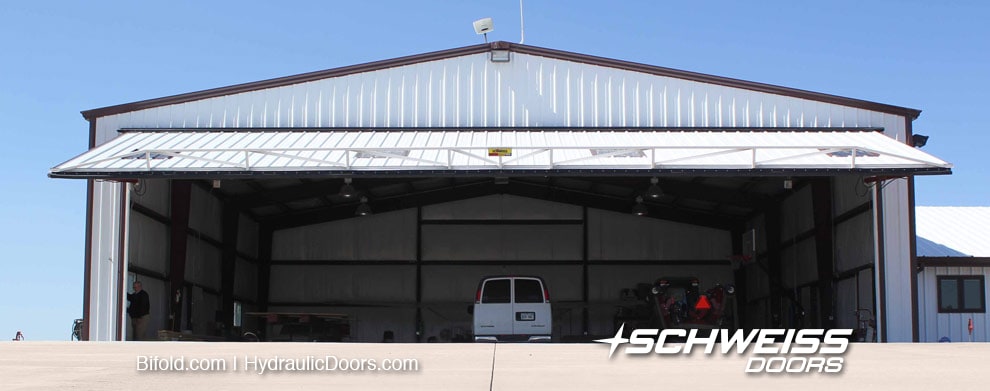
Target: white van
<point>512,308</point>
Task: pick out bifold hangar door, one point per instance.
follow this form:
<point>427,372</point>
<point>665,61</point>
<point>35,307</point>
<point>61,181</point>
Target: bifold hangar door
<point>255,219</point>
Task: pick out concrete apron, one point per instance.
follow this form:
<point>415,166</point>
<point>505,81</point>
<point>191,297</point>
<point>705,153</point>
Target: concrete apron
<point>113,366</point>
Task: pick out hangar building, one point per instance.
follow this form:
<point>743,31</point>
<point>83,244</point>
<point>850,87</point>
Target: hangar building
<point>384,191</point>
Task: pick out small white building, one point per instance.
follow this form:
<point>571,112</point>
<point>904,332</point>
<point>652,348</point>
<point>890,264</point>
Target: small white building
<point>954,264</point>
<point>498,158</point>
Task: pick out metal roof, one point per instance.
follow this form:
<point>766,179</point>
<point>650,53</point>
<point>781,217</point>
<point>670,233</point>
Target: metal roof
<point>953,231</point>
<point>467,151</point>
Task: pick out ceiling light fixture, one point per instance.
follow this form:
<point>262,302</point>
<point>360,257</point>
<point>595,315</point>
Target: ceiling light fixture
<point>363,209</point>
<point>654,192</point>
<point>639,209</point>
<point>348,191</point>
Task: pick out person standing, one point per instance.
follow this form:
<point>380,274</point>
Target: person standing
<point>139,311</point>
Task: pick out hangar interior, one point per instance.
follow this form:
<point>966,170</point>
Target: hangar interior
<point>800,257</point>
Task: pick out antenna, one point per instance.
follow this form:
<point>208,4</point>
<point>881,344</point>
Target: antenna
<point>522,31</point>
<point>483,26</point>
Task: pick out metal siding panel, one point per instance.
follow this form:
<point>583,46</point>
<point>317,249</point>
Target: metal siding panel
<point>351,239</point>
<point>154,195</point>
<point>323,283</point>
<point>105,257</point>
<point>501,206</point>
<point>501,242</point>
<point>846,304</point>
<point>848,192</point>
<point>796,214</point>
<point>625,237</point>
<point>202,263</point>
<point>148,247</point>
<point>457,284</point>
<point>205,213</point>
<point>245,278</point>
<point>897,256</point>
<point>247,235</point>
<point>853,243</point>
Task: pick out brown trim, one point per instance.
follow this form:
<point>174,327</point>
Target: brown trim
<point>178,241</point>
<point>717,80</point>
<point>228,262</point>
<point>912,242</point>
<point>92,133</point>
<point>821,200</point>
<point>926,262</point>
<point>881,273</point>
<point>88,257</point>
<point>121,261</point>
<point>265,238</point>
<point>772,227</point>
<point>287,80</point>
<point>518,48</point>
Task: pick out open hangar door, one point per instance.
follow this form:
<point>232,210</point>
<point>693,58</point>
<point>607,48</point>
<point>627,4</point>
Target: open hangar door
<point>412,266</point>
<point>259,224</point>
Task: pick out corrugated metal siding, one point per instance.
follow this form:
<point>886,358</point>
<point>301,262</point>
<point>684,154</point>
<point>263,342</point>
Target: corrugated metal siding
<point>149,247</point>
<point>245,279</point>
<point>960,229</point>
<point>897,263</point>
<point>247,236</point>
<point>501,206</point>
<point>618,236</point>
<point>528,91</point>
<point>934,325</point>
<point>205,213</point>
<point>351,239</point>
<point>107,244</point>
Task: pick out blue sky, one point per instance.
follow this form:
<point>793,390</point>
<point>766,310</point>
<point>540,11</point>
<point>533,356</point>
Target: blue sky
<point>59,58</point>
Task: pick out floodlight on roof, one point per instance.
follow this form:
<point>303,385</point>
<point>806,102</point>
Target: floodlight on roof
<point>483,26</point>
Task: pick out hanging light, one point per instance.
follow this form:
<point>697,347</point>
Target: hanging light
<point>363,209</point>
<point>654,192</point>
<point>348,191</point>
<point>639,209</point>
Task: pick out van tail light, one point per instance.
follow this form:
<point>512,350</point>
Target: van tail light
<point>477,296</point>
<point>546,294</point>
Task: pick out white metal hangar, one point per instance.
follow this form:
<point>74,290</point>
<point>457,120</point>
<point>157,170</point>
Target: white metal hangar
<point>383,193</point>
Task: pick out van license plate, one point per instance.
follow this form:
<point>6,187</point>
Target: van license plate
<point>524,316</point>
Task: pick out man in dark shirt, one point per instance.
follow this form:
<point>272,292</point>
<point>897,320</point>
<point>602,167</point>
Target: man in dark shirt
<point>139,310</point>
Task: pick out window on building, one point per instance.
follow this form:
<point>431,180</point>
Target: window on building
<point>961,294</point>
<point>238,313</point>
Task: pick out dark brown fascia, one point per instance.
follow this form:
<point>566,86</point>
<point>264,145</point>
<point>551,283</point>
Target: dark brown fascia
<point>501,45</point>
<point>925,262</point>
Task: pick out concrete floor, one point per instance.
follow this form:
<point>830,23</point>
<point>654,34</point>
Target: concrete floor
<point>112,366</point>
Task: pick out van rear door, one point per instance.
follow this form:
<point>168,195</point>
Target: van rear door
<point>493,316</point>
<point>531,311</point>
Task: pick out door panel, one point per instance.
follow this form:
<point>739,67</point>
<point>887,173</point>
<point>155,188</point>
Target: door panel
<point>493,316</point>
<point>530,312</point>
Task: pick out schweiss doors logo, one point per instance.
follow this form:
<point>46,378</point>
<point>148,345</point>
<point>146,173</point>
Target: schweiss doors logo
<point>798,351</point>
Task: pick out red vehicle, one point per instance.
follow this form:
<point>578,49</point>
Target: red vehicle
<point>677,303</point>
<point>680,304</point>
